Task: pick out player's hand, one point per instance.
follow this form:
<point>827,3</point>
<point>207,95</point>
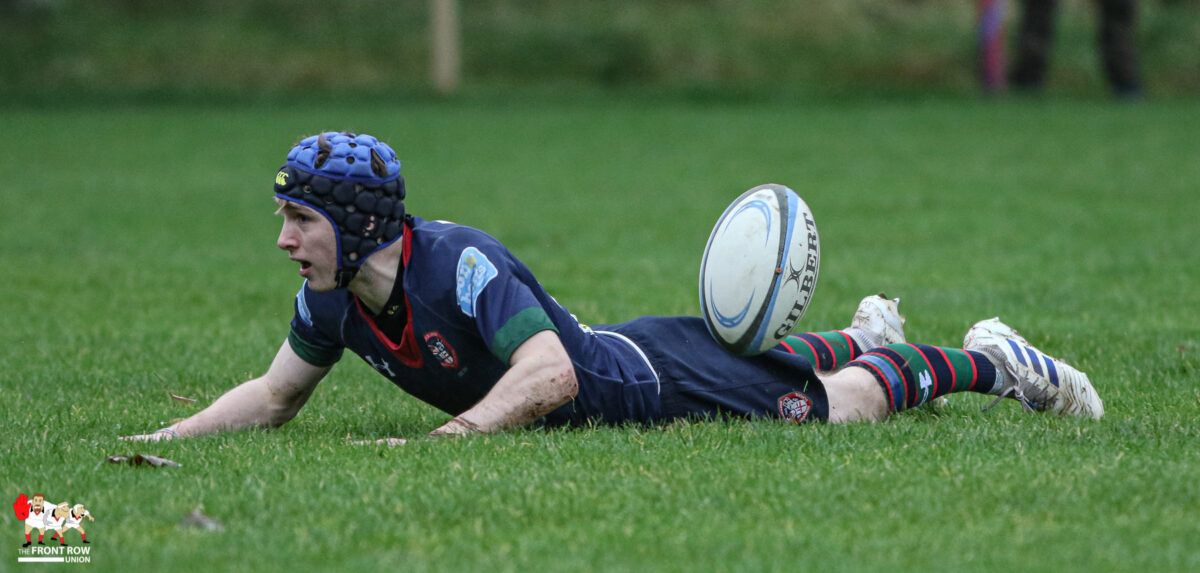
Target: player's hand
<point>389,442</point>
<point>145,438</point>
<point>457,427</point>
<point>158,436</point>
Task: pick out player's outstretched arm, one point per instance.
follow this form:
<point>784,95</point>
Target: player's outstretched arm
<point>267,401</point>
<point>540,378</point>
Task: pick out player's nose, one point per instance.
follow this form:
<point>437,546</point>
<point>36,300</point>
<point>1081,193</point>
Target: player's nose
<point>288,239</point>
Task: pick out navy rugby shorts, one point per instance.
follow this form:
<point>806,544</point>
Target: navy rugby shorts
<point>701,379</point>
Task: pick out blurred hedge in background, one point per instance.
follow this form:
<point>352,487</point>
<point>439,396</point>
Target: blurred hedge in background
<point>277,48</point>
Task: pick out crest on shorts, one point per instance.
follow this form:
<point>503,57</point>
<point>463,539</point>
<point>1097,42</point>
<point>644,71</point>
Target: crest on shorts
<point>794,406</point>
<point>445,354</point>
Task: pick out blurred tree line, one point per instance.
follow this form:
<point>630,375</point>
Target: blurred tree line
<point>65,49</point>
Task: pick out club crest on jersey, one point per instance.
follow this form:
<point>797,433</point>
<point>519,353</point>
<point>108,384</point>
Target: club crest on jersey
<point>794,406</point>
<point>441,350</point>
<point>475,271</point>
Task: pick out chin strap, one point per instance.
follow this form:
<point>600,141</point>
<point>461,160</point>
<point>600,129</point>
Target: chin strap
<point>344,276</point>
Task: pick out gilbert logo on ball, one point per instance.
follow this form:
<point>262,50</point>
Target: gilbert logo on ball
<point>759,269</point>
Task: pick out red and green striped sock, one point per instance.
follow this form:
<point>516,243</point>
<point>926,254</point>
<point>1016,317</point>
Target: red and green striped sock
<point>826,351</point>
<point>913,374</point>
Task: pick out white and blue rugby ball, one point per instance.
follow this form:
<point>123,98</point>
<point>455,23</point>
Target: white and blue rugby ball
<point>759,269</point>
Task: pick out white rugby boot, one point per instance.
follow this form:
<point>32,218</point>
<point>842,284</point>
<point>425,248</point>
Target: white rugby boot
<point>877,322</point>
<point>1040,382</point>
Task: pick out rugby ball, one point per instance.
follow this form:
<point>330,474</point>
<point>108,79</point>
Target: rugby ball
<point>759,269</point>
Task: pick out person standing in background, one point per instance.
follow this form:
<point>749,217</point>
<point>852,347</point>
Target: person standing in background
<point>1115,39</point>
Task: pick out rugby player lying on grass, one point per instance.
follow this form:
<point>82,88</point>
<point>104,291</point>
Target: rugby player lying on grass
<point>450,316</point>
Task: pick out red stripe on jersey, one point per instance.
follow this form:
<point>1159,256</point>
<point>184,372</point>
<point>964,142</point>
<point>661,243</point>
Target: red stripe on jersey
<point>407,352</point>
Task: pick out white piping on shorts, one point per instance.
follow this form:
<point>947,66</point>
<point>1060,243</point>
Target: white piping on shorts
<point>619,336</point>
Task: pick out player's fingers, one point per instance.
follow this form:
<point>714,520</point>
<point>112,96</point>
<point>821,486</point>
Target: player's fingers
<point>142,438</point>
<point>390,442</point>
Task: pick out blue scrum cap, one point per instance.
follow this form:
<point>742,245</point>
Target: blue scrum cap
<point>354,181</point>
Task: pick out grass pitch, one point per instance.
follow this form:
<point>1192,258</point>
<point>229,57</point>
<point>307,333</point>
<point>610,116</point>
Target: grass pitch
<point>138,261</point>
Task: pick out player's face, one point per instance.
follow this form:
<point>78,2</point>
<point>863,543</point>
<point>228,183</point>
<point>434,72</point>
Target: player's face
<point>309,240</point>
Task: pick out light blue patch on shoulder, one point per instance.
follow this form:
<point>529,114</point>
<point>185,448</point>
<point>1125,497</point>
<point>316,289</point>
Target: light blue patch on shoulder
<point>302,306</point>
<point>475,271</point>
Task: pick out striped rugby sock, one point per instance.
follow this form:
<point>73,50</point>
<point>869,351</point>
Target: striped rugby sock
<point>913,374</point>
<point>826,351</point>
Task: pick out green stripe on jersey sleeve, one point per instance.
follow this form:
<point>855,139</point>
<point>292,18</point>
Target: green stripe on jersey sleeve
<point>313,354</point>
<point>518,329</point>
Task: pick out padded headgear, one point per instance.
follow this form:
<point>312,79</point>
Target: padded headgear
<point>354,181</point>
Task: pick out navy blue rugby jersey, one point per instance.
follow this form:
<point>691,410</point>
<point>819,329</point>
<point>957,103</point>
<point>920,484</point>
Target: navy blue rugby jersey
<point>471,303</point>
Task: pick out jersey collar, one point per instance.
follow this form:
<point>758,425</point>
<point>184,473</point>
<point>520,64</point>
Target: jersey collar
<point>406,351</point>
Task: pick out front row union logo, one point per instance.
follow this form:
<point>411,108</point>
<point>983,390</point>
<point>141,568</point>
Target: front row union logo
<point>59,519</point>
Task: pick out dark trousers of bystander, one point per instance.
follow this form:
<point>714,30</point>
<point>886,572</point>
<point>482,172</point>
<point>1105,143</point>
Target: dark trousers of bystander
<point>1115,39</point>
